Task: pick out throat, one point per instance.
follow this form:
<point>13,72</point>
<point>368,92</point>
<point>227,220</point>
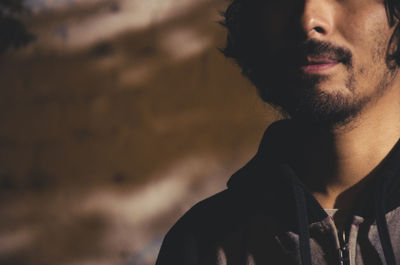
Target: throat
<point>343,200</point>
<point>336,169</point>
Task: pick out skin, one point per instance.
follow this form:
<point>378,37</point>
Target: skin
<point>336,162</point>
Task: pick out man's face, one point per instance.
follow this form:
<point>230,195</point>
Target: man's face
<point>326,59</point>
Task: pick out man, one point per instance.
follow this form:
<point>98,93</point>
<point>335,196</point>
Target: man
<point>324,186</point>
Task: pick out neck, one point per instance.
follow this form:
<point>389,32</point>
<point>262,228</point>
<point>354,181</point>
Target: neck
<point>334,164</point>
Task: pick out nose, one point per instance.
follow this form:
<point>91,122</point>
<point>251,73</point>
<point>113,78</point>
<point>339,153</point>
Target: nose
<point>317,18</point>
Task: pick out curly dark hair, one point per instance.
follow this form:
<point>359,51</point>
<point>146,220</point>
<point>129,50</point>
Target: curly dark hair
<point>243,39</point>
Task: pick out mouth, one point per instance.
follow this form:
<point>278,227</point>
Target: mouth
<point>318,65</point>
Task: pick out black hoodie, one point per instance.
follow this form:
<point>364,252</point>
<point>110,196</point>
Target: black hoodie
<point>267,216</point>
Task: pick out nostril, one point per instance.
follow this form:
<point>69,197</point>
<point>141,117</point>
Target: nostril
<point>319,29</point>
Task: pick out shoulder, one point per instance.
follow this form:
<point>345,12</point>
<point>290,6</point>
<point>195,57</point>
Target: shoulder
<point>208,213</point>
<point>217,216</point>
<point>197,228</point>
<point>212,217</point>
<point>219,221</point>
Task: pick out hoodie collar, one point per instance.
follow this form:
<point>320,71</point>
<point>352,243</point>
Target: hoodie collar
<point>263,175</point>
<point>267,178</point>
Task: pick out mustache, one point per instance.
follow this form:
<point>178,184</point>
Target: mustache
<point>315,48</point>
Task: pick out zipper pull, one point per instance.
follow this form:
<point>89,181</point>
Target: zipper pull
<point>344,255</point>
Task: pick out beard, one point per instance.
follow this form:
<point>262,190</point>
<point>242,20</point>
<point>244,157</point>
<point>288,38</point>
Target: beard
<point>301,98</point>
<point>307,103</point>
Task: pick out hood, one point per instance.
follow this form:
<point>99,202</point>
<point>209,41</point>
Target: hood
<point>268,182</point>
<point>269,175</point>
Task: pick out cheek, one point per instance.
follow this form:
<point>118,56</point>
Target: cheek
<point>367,35</point>
<point>361,28</point>
<point>273,31</point>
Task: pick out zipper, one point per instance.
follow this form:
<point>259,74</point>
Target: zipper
<point>344,254</point>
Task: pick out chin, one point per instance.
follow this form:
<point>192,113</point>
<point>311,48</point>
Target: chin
<point>328,107</point>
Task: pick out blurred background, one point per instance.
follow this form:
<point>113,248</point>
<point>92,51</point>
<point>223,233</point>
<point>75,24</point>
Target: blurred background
<point>116,116</point>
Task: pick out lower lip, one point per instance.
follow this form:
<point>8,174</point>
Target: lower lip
<point>317,68</point>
